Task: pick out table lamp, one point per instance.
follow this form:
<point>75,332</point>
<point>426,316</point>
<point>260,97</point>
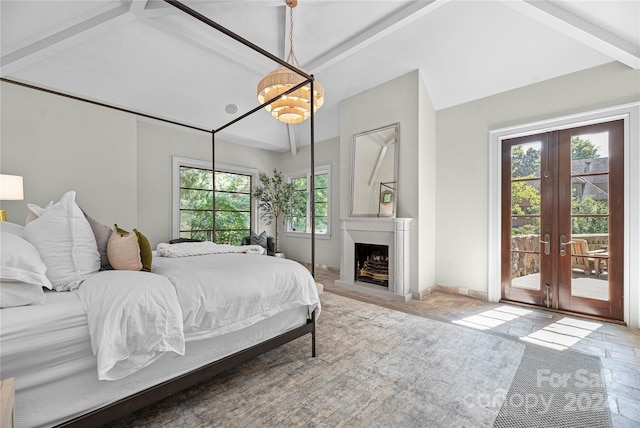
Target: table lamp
<point>11,189</point>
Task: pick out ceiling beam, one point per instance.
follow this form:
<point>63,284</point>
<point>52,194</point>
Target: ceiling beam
<point>372,34</point>
<point>579,29</point>
<point>292,139</point>
<point>69,36</point>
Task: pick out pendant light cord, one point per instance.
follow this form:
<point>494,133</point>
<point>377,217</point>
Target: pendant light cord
<point>291,58</point>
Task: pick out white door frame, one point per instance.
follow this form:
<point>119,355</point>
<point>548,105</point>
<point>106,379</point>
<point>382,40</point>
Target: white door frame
<point>630,113</point>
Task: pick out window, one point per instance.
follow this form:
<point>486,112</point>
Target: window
<point>300,223</point>
<point>195,215</point>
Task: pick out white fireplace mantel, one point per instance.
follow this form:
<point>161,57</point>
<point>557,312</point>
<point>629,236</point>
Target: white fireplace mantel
<point>393,232</point>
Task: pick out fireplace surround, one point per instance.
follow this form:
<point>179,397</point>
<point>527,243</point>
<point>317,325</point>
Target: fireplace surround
<point>390,232</point>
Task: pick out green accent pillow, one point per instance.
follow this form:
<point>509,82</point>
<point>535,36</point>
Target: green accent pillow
<point>146,256</point>
<point>145,251</point>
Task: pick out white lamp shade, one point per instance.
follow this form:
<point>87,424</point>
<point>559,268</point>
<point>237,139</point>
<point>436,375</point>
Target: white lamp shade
<point>11,188</point>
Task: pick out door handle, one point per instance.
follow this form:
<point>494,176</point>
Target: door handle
<point>547,244</point>
<point>563,245</point>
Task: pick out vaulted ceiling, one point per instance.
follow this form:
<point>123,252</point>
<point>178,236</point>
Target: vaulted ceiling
<point>150,57</point>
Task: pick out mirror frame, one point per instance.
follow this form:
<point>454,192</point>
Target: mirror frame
<point>393,192</point>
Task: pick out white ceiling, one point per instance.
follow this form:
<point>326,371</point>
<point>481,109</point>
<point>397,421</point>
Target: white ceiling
<point>150,57</point>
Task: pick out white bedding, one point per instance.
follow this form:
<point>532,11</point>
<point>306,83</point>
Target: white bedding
<point>186,249</point>
<point>133,317</point>
<point>223,293</point>
<point>47,349</point>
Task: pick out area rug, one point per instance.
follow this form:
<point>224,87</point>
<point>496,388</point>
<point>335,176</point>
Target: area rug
<point>375,367</point>
<point>562,389</point>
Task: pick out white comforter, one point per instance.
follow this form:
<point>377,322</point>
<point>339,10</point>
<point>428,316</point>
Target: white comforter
<point>135,317</point>
<point>222,293</point>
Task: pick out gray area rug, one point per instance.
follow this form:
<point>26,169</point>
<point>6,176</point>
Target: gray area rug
<point>375,367</point>
<point>556,389</point>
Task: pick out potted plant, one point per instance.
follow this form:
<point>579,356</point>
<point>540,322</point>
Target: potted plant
<point>276,199</point>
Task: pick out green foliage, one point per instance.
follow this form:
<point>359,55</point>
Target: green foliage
<point>588,205</point>
<point>232,216</point>
<point>525,164</point>
<point>583,149</point>
<point>278,200</point>
<point>525,198</point>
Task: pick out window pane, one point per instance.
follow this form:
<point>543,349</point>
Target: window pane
<point>322,195</point>
<point>596,225</point>
<point>525,160</point>
<point>590,195</point>
<point>525,242</point>
<point>299,223</point>
<point>201,235</point>
<point>525,270</point>
<point>300,183</point>
<point>233,201</point>
<point>525,197</point>
<point>196,199</point>
<point>233,204</point>
<point>231,237</point>
<point>525,226</point>
<point>195,178</point>
<point>229,182</point>
<point>590,153</point>
<point>321,209</point>
<point>196,220</point>
<point>322,180</point>
<point>321,224</point>
<point>232,220</point>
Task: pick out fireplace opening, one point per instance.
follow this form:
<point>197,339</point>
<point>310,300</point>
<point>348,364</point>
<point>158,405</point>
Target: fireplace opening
<point>372,264</point>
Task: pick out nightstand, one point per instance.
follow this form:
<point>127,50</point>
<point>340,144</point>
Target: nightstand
<point>7,403</point>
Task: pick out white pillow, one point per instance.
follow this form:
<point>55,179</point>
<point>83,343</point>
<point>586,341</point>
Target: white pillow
<point>65,241</point>
<point>14,228</point>
<point>20,261</point>
<point>20,294</point>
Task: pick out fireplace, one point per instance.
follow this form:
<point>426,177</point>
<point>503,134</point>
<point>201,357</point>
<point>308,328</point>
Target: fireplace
<point>367,236</point>
<point>372,264</point>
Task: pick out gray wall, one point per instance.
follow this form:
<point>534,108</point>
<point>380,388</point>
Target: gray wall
<point>58,144</point>
<point>299,248</point>
<point>463,158</point>
<point>119,166</point>
<point>399,100</point>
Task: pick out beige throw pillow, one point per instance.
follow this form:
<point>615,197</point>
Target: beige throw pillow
<point>123,251</point>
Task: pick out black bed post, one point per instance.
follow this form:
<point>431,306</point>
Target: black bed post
<point>312,197</point>
<point>213,181</point>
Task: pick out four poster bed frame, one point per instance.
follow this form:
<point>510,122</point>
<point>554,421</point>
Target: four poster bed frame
<point>127,405</point>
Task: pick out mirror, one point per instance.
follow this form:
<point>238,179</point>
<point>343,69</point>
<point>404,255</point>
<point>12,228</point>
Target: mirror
<point>374,172</point>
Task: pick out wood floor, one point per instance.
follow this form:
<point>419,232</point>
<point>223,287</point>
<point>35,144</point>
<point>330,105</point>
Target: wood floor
<point>617,346</point>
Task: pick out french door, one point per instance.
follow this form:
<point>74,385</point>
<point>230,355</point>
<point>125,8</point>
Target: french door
<point>562,219</point>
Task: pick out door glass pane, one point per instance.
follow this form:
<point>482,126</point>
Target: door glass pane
<point>525,197</point>
<point>525,270</point>
<point>590,220</point>
<point>590,194</point>
<point>525,160</point>
<point>589,265</point>
<point>590,153</point>
<point>525,234</point>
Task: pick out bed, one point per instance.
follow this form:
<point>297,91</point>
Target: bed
<point>75,355</point>
<point>53,344</point>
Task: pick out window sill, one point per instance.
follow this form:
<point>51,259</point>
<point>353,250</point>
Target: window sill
<point>325,236</point>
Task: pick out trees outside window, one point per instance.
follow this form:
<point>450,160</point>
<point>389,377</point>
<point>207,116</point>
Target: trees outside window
<point>525,195</point>
<point>300,222</point>
<point>232,218</point>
